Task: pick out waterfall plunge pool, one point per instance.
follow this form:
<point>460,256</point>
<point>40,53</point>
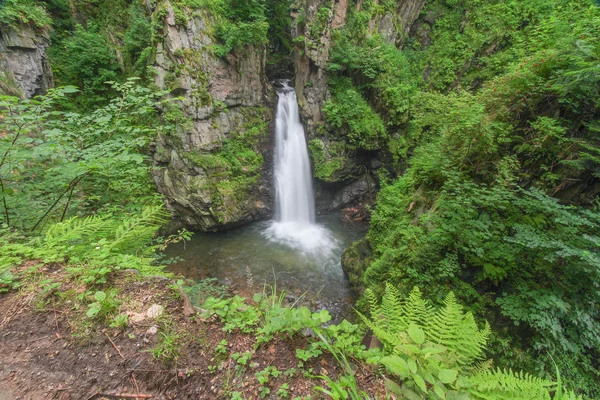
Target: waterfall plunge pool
<point>295,252</point>
<point>249,257</point>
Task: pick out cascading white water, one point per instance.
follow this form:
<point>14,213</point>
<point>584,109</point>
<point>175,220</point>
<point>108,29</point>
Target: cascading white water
<point>293,181</point>
<point>295,205</point>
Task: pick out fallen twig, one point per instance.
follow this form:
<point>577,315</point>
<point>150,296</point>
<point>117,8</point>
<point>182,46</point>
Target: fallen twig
<point>114,345</point>
<point>137,388</point>
<point>126,395</point>
<point>56,321</point>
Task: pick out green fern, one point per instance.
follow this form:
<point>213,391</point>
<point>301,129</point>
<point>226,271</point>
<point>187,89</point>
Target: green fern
<point>457,331</point>
<point>507,385</point>
<point>96,246</point>
<point>438,352</point>
<point>82,237</point>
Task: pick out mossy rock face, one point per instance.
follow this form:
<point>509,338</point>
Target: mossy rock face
<point>355,261</point>
<point>222,181</point>
<point>331,160</point>
<point>212,171</point>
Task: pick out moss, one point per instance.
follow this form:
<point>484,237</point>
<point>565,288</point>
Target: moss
<point>319,22</point>
<point>355,261</point>
<point>329,160</point>
<point>207,161</point>
<point>234,169</point>
<point>8,86</point>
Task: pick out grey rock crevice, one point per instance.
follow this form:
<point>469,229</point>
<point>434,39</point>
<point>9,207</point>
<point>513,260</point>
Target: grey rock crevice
<point>24,66</point>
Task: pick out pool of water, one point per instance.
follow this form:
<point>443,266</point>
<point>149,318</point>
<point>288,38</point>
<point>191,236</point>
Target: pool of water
<point>252,256</point>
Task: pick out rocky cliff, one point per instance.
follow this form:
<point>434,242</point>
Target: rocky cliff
<point>215,171</point>
<point>212,171</point>
<point>24,68</point>
<point>349,176</point>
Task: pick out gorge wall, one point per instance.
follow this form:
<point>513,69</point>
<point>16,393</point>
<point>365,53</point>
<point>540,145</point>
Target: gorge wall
<point>346,176</point>
<point>213,170</point>
<point>24,67</point>
<point>227,106</point>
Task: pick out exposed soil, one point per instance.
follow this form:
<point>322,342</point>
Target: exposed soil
<point>49,350</point>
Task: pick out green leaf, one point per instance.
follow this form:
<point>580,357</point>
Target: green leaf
<point>409,394</point>
<point>396,365</point>
<point>412,365</point>
<point>433,350</point>
<point>100,296</point>
<point>393,386</point>
<point>420,382</point>
<point>408,349</point>
<point>257,297</point>
<point>70,89</point>
<point>454,395</point>
<point>416,334</point>
<point>93,311</point>
<point>448,375</point>
<point>440,390</point>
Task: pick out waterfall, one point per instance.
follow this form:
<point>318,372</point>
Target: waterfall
<point>295,225</point>
<point>293,180</point>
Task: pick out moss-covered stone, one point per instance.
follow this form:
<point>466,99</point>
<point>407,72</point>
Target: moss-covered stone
<point>331,164</point>
<point>355,260</point>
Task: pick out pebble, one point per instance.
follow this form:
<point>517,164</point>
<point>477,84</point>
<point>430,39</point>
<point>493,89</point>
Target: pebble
<point>152,330</point>
<point>154,311</point>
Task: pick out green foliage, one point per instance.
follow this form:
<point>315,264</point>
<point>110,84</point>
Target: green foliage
<point>328,160</point>
<point>7,280</point>
<point>380,68</point>
<point>137,39</point>
<point>263,378</point>
<point>319,22</point>
<point>56,162</point>
<point>238,24</point>
<point>234,312</point>
<point>120,322</point>
<point>105,304</point>
<point>434,351</point>
<point>168,347</point>
<point>16,12</point>
<point>474,209</point>
<point>88,62</point>
<point>346,385</point>
<point>348,111</point>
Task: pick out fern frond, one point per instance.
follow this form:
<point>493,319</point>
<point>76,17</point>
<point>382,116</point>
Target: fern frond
<point>416,309</point>
<point>500,385</point>
<point>135,232</point>
<point>458,332</point>
<point>392,318</point>
<point>76,230</point>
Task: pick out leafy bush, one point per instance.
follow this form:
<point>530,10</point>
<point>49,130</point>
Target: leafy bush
<point>55,162</point>
<point>15,12</point>
<point>105,304</point>
<point>434,351</point>
<point>359,123</point>
<point>87,61</point>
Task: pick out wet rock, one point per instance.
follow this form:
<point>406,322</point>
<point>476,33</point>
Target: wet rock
<point>355,261</point>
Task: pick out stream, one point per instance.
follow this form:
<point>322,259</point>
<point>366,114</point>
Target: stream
<point>247,258</point>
